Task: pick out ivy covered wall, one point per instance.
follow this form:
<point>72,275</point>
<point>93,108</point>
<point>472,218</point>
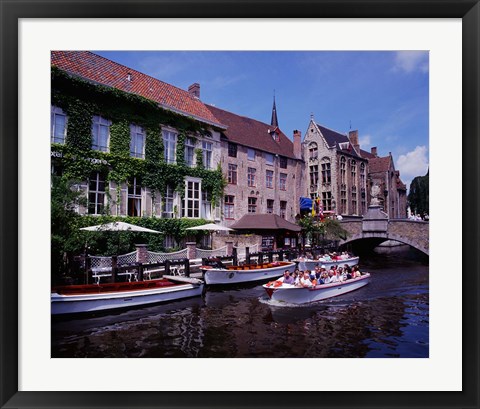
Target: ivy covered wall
<point>80,100</point>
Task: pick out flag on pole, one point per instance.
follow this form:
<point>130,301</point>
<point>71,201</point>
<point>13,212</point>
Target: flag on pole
<point>313,208</point>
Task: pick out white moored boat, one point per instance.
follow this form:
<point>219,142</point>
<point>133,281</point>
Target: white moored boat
<point>246,273</point>
<point>310,264</point>
<point>99,297</point>
<point>292,294</point>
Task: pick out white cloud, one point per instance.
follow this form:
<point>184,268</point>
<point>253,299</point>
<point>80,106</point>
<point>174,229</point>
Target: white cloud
<point>412,164</point>
<point>365,141</point>
<point>410,61</point>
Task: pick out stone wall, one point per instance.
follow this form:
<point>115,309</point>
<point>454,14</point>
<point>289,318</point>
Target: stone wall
<point>415,233</point>
<point>239,240</point>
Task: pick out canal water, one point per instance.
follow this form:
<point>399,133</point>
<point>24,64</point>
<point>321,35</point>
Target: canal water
<point>387,318</point>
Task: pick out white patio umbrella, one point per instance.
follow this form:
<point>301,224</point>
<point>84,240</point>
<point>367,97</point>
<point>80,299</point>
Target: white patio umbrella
<point>210,227</point>
<point>119,226</point>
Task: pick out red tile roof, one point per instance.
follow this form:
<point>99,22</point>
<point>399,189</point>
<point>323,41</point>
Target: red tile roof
<point>252,133</point>
<point>101,70</point>
<point>380,164</point>
<point>366,154</point>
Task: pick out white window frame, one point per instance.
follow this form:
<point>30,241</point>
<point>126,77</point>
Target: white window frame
<point>206,205</point>
<point>54,113</point>
<point>192,200</point>
<point>251,154</point>
<point>189,154</point>
<point>134,196</point>
<point>99,123</point>
<point>168,200</point>
<point>169,145</point>
<point>207,154</point>
<point>97,202</point>
<point>137,133</point>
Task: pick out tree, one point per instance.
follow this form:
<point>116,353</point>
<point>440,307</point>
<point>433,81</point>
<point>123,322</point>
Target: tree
<point>65,237</point>
<point>418,196</point>
<point>328,229</point>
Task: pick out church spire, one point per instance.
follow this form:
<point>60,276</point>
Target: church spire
<point>274,121</point>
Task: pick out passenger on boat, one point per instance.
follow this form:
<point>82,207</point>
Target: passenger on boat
<point>295,277</point>
<point>356,272</point>
<point>348,270</point>
<point>301,263</point>
<point>305,280</point>
<point>287,278</point>
<point>334,277</point>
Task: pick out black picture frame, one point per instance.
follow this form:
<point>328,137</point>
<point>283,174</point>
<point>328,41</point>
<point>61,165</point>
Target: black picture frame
<point>11,11</point>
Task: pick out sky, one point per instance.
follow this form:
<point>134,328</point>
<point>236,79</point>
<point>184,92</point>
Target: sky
<point>383,95</point>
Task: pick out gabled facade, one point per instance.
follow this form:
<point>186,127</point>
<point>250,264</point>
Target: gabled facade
<point>263,172</point>
<point>334,170</point>
<point>393,196</point>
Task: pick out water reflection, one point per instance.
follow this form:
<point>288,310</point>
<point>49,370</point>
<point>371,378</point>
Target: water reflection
<point>387,318</point>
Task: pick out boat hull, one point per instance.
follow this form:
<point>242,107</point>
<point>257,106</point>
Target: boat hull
<point>91,302</point>
<point>304,295</point>
<point>220,276</point>
<point>311,264</point>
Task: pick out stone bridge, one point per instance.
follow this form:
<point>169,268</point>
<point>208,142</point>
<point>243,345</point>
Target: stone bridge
<point>376,228</point>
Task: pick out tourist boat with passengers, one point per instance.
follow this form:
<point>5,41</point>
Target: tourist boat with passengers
<point>289,293</point>
<point>73,299</point>
<point>327,262</point>
<point>223,275</point>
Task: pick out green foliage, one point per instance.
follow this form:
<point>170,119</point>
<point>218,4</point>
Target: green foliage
<point>316,230</point>
<point>154,149</point>
<point>81,100</point>
<point>65,236</point>
<point>120,138</point>
<point>418,197</point>
<point>109,243</point>
<point>199,158</point>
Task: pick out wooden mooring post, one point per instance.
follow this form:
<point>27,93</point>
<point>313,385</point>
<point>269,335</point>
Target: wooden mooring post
<point>235,256</point>
<point>114,269</point>
<point>247,255</point>
<point>187,267</point>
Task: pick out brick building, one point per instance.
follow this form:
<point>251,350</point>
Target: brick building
<point>341,174</point>
<point>263,172</point>
<point>393,196</point>
<point>335,171</point>
<point>137,146</point>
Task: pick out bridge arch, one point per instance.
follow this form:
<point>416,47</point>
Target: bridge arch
<point>413,233</point>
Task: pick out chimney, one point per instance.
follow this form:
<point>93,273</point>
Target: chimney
<point>374,151</point>
<point>297,144</point>
<point>353,136</point>
<point>194,89</point>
